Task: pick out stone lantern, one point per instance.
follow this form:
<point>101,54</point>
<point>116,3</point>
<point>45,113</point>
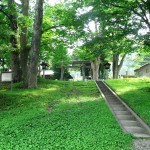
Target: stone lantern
<point>107,67</point>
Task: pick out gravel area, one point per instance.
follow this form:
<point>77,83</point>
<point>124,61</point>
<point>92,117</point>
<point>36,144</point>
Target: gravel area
<point>141,144</point>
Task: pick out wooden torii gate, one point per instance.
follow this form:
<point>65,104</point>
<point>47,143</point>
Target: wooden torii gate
<point>77,64</point>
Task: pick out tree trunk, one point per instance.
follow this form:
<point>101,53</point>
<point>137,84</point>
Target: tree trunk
<point>23,44</point>
<point>95,68</point>
<point>15,66</point>
<point>116,65</point>
<point>35,46</point>
<point>62,73</point>
<point>15,62</point>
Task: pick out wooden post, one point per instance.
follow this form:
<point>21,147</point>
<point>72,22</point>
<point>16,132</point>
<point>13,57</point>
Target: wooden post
<point>107,71</point>
<point>83,71</point>
<point>44,73</point>
<point>11,85</point>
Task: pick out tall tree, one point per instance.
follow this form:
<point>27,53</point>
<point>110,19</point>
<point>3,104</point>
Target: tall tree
<point>117,24</point>
<point>4,38</point>
<point>15,62</point>
<point>24,49</point>
<point>35,46</point>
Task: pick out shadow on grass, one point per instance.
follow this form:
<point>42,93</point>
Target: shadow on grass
<point>79,122</point>
<point>48,93</point>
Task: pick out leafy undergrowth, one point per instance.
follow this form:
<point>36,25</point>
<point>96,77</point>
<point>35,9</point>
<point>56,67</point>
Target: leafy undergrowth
<point>136,93</point>
<point>58,115</point>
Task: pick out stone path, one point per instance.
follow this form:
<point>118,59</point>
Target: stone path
<point>141,144</point>
<point>127,119</point>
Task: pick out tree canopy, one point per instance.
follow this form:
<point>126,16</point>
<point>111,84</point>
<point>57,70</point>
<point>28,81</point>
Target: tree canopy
<point>96,30</point>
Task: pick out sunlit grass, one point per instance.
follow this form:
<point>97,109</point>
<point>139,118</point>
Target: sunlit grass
<point>136,93</point>
<point>58,115</point>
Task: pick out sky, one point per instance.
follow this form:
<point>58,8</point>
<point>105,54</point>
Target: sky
<point>51,2</point>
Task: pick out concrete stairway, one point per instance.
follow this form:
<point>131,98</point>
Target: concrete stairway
<point>126,118</point>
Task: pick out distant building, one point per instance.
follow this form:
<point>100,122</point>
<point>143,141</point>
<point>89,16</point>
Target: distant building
<point>48,74</point>
<point>143,71</point>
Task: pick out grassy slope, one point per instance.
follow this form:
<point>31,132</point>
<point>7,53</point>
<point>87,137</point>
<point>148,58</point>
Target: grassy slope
<point>136,93</point>
<point>58,115</point>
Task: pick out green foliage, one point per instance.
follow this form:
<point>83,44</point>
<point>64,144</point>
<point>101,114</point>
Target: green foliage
<point>60,56</point>
<point>118,24</point>
<point>57,73</point>
<point>136,93</point>
<point>25,21</point>
<point>59,25</point>
<point>67,23</point>
<point>143,59</point>
<point>5,33</point>
<point>58,115</point>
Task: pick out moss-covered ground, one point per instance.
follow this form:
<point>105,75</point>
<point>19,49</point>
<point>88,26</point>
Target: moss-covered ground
<point>58,115</point>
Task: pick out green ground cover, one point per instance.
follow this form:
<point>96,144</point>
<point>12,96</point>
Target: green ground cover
<point>58,115</point>
<point>136,93</point>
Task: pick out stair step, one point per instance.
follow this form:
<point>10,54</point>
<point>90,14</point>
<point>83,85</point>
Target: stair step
<point>111,97</point>
<point>125,117</point>
<point>119,108</point>
<point>117,105</point>
<point>122,112</point>
<point>129,123</point>
<point>113,101</point>
<point>108,94</point>
<point>141,135</point>
<point>135,129</point>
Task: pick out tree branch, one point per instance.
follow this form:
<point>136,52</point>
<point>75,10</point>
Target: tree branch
<point>118,6</point>
<point>146,21</point>
<point>17,4</point>
<point>121,62</point>
<point>143,2</point>
<point>140,7</point>
<point>52,27</point>
<point>8,16</point>
<point>143,11</point>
